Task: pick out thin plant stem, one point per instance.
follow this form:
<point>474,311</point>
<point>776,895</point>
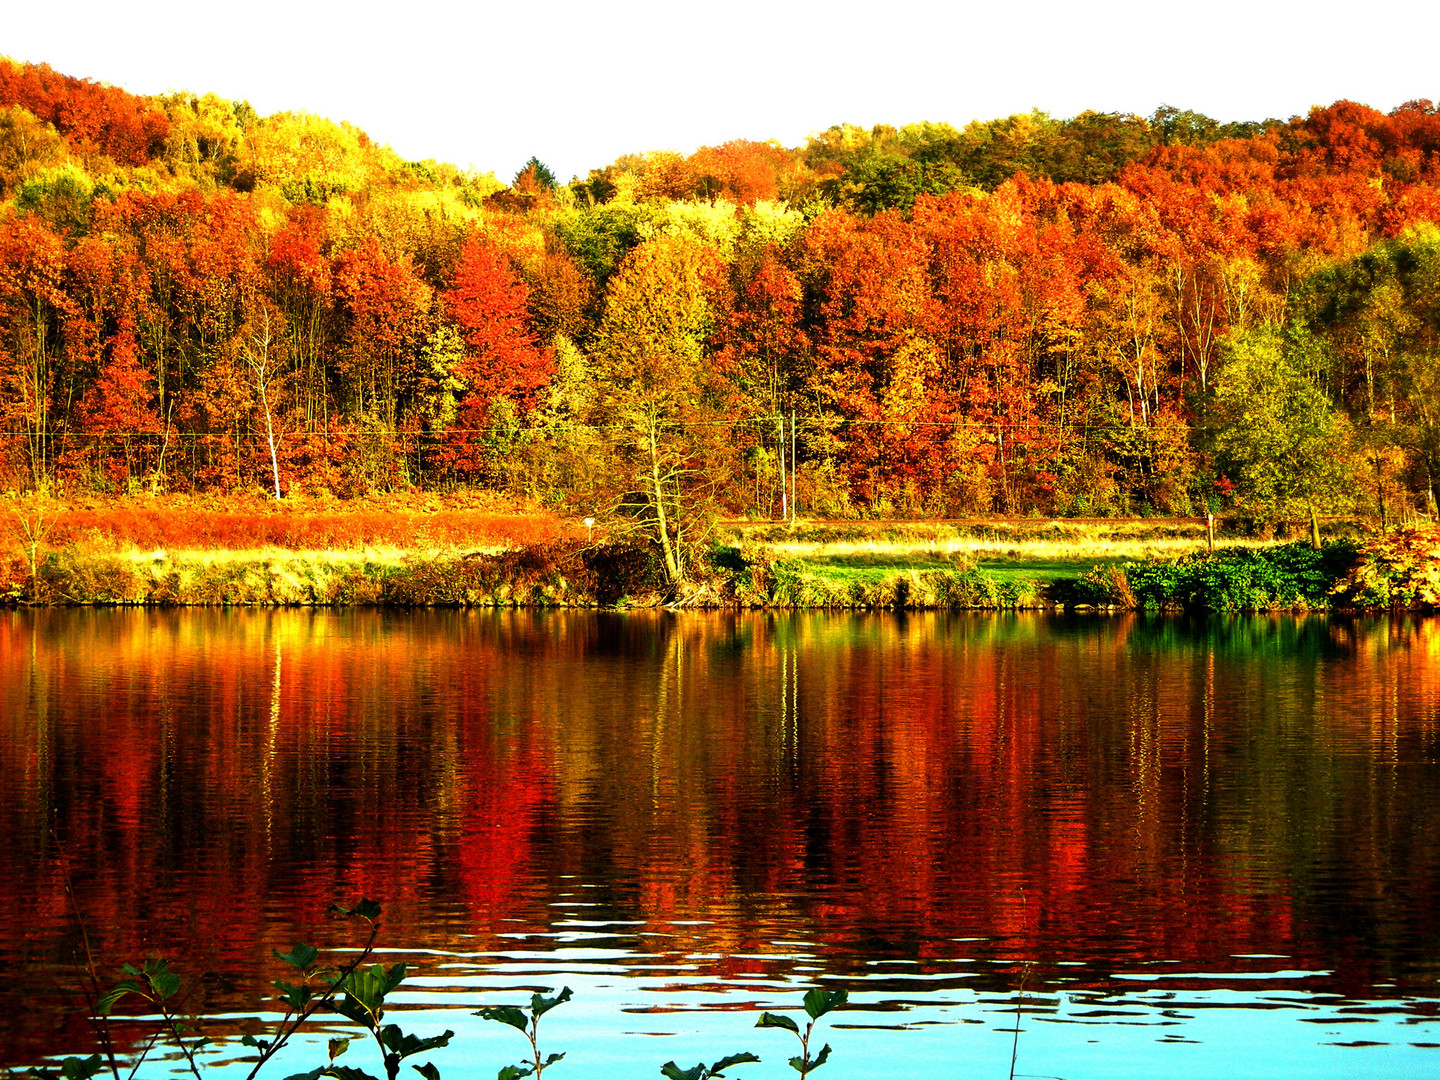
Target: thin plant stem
<point>173,1025</point>
<point>1019,999</point>
<point>1019,1005</point>
<point>90,987</point>
<point>294,1019</point>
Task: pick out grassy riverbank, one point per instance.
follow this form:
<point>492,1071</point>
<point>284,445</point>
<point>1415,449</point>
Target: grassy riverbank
<point>994,563</point>
<point>463,551</point>
<point>1122,564</point>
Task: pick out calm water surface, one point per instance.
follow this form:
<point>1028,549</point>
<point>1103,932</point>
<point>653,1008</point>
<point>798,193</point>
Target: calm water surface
<point>1183,848</point>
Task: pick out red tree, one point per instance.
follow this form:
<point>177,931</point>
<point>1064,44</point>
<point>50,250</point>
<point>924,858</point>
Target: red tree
<point>486,302</point>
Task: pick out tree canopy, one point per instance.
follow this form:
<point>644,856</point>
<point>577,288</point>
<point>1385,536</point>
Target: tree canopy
<point>1023,314</point>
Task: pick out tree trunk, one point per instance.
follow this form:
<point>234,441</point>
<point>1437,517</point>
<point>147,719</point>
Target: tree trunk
<point>1314,528</point>
<point>784,489</point>
<point>1432,469</point>
<point>270,435</point>
<point>672,562</point>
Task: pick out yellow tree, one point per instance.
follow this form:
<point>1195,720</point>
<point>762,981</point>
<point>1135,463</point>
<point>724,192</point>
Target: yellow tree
<point>659,395</point>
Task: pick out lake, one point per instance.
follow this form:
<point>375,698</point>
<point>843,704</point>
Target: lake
<point>1164,846</point>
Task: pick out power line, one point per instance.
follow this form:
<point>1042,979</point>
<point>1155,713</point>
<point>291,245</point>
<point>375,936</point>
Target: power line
<point>821,421</point>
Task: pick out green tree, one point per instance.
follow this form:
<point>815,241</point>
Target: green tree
<point>1380,313</point>
<point>26,143</point>
<point>535,176</point>
<point>600,237</point>
<point>1278,437</point>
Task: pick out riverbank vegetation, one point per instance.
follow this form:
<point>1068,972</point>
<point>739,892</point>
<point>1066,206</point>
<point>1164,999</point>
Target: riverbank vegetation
<point>432,551</point>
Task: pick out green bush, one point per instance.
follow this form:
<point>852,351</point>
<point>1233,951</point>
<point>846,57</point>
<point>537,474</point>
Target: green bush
<point>76,579</point>
<point>762,580</point>
<point>1240,579</point>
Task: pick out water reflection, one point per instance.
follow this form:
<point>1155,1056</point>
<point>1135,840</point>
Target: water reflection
<point>693,812</point>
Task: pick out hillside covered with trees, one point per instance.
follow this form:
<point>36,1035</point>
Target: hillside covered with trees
<point>1102,315</point>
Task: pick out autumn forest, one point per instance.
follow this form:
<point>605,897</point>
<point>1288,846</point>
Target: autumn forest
<point>1103,315</point>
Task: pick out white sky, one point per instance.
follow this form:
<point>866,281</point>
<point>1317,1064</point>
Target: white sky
<point>488,84</point>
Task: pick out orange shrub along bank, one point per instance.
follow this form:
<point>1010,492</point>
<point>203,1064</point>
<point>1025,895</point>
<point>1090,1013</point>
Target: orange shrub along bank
<point>240,525</point>
<point>404,551</point>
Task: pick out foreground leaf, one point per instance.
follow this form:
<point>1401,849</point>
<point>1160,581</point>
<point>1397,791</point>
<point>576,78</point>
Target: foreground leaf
<point>769,1020</point>
<point>301,956</point>
<point>819,1002</point>
<point>539,1005</point>
<point>724,1063</point>
<point>505,1014</point>
<point>75,1068</point>
<point>295,997</point>
<point>403,1045</point>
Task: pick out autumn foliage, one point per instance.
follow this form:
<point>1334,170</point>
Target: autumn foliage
<point>93,117</point>
<point>1023,315</point>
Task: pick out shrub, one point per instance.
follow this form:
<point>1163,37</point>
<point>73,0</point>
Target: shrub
<point>73,579</point>
<point>1239,579</point>
<point>623,568</point>
<point>1397,569</point>
<point>1105,585</point>
<point>14,579</point>
<point>564,571</point>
